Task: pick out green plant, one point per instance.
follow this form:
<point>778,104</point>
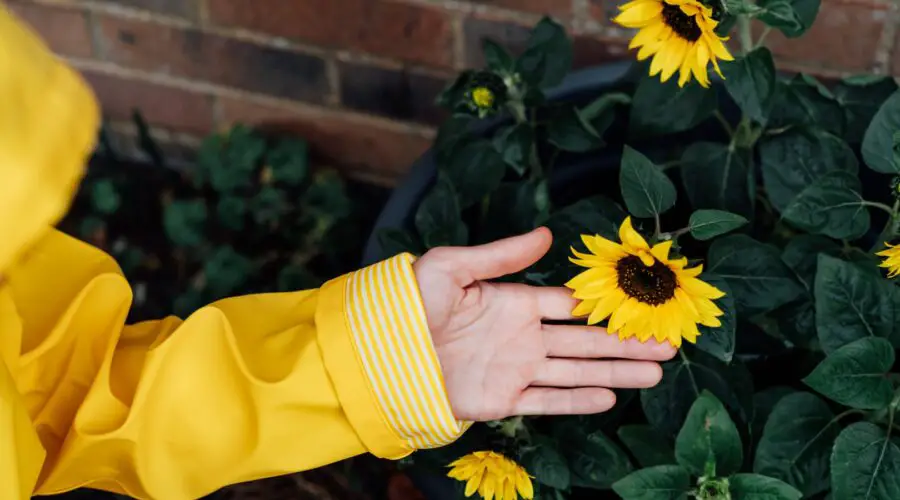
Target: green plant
<point>795,395</point>
<point>251,216</point>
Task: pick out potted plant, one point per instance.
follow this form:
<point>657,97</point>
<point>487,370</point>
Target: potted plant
<point>781,186</point>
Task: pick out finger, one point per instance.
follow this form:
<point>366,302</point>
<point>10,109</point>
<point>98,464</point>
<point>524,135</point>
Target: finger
<point>583,373</point>
<point>581,401</point>
<point>555,303</point>
<point>493,260</point>
<point>578,341</point>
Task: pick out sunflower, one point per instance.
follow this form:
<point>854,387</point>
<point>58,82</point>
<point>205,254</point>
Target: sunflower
<point>891,260</point>
<point>493,476</point>
<point>642,291</point>
<point>679,34</point>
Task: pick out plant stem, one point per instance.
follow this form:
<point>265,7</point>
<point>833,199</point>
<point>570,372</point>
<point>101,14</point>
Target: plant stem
<point>745,32</point>
<point>762,37</point>
<point>891,211</point>
<point>727,126</point>
<point>891,226</point>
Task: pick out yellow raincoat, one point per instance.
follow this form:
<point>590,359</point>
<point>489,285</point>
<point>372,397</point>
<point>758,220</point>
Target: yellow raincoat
<point>244,388</point>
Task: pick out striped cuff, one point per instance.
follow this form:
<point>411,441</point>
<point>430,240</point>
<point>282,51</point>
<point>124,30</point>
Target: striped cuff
<point>389,331</point>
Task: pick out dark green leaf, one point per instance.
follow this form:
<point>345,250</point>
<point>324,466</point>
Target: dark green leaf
<point>395,241</point>
<point>663,482</point>
<point>665,108</point>
<point>878,143</point>
<point>603,104</point>
<point>454,132</point>
<point>684,378</point>
<point>105,197</point>
<point>764,402</point>
<point>514,145</point>
<point>856,374</point>
<point>718,177</point>
<point>269,205</point>
<point>184,222</point>
<point>750,80</point>
<point>796,443</point>
<point>438,218</point>
<point>757,487</point>
<point>860,97</point>
<point>475,170</point>
<point>792,17</point>
<point>497,58</point>
<point>719,341</point>
<point>794,160</point>
<point>513,210</point>
<point>802,255</point>
<point>709,440</point>
<point>851,304</point>
<point>759,279</point>
<point>803,101</point>
<point>832,205</point>
<point>229,161</point>
<point>231,211</point>
<point>544,461</point>
<point>548,57</point>
<point>594,460</point>
<point>865,464</point>
<point>649,446</point>
<point>289,161</point>
<point>646,189</point>
<point>568,131</point>
<point>707,224</point>
<point>226,271</point>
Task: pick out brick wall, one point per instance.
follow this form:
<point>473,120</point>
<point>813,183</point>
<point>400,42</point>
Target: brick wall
<point>357,78</point>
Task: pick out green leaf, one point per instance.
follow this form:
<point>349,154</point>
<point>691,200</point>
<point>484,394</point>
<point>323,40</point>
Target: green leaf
<point>603,104</point>
<point>764,402</point>
<point>794,160</point>
<point>803,101</point>
<point>289,161</point>
<point>720,341</point>
<point>718,177</point>
<point>707,224</point>
<point>438,218</point>
<point>878,143</point>
<point>802,255</point>
<point>497,58</point>
<point>594,460</point>
<point>649,446</point>
<point>684,379</point>
<point>453,133</point>
<point>856,374</point>
<point>231,211</point>
<point>709,440</point>
<point>226,271</point>
<point>796,443</point>
<point>832,205</point>
<point>757,487</point>
<point>665,108</point>
<point>646,189</point>
<point>792,17</point>
<point>860,97</point>
<point>514,145</point>
<point>512,210</point>
<point>865,464</point>
<point>851,304</point>
<point>750,80</point>
<point>544,461</point>
<point>568,131</point>
<point>663,482</point>
<point>229,161</point>
<point>184,222</point>
<point>548,57</point>
<point>105,197</point>
<point>759,280</point>
<point>394,241</point>
<point>476,169</point>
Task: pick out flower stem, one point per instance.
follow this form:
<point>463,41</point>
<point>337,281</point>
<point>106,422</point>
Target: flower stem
<point>762,37</point>
<point>745,32</point>
<point>725,125</point>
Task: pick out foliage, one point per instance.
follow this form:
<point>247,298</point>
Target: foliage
<point>781,184</point>
<point>251,216</point>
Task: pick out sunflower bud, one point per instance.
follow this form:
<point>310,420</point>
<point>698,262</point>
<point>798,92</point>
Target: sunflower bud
<point>485,93</point>
<point>895,187</point>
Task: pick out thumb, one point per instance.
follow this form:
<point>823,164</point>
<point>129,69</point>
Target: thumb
<point>496,259</point>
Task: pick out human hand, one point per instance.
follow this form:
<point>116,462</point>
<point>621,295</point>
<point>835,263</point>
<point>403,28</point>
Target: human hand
<point>499,359</point>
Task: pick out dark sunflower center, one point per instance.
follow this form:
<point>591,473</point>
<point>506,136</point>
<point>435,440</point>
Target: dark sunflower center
<point>682,24</point>
<point>652,285</point>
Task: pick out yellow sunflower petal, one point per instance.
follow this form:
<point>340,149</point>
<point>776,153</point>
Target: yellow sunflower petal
<point>589,276</point>
<point>647,35</point>
<point>605,306</point>
<point>631,239</point>
<point>602,247</point>
<point>695,286</point>
<point>474,483</point>
<point>524,486</point>
<point>661,250</point>
<point>639,15</point>
<point>584,308</point>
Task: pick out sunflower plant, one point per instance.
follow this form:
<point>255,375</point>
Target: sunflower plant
<point>746,216</point>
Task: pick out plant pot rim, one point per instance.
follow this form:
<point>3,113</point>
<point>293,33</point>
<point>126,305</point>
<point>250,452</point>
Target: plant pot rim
<point>421,174</point>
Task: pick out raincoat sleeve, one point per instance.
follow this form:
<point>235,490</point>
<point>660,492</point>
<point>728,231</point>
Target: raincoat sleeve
<point>174,409</point>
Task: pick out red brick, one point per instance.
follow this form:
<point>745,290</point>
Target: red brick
<point>590,51</point>
<point>845,37</point>
<point>178,8</point>
<point>559,8</point>
<point>160,105</point>
<point>350,142</point>
<point>511,36</point>
<point>63,29</point>
<point>195,54</point>
<point>395,93</point>
<point>390,28</point>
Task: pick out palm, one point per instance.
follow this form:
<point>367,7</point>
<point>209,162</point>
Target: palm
<point>499,358</point>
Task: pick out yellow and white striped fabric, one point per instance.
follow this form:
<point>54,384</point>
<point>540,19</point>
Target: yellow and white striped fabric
<point>390,333</point>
